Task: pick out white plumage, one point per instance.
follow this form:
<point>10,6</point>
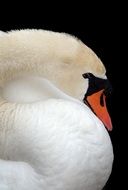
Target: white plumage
<point>49,139</point>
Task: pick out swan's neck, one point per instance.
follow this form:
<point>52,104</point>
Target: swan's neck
<point>25,89</point>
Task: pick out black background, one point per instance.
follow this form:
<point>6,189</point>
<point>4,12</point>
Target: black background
<point>102,29</point>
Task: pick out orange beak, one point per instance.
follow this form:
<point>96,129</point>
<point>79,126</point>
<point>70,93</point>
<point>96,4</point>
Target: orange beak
<point>99,109</point>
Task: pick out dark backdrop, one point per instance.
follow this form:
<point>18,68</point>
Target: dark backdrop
<point>100,30</point>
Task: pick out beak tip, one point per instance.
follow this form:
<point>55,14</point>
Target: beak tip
<point>108,125</point>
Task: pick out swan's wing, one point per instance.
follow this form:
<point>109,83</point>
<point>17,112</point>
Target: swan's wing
<point>18,176</point>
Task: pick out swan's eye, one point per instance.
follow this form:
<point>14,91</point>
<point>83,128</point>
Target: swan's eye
<point>87,75</point>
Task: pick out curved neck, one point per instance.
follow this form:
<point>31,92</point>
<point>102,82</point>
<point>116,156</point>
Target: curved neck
<point>27,88</point>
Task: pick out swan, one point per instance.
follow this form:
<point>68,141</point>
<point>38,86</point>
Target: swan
<point>53,115</point>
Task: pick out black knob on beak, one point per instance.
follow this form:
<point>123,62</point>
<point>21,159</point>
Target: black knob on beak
<point>96,84</point>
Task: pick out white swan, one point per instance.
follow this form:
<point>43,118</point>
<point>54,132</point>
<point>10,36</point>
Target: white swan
<point>50,139</point>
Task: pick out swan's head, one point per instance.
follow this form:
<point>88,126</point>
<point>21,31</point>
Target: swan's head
<point>58,57</point>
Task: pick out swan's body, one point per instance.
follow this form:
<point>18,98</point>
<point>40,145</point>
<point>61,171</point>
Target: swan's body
<point>49,139</point>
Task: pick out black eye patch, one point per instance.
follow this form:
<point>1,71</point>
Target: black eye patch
<point>96,84</point>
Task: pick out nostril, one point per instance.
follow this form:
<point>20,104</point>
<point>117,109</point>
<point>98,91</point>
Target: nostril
<point>102,100</point>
